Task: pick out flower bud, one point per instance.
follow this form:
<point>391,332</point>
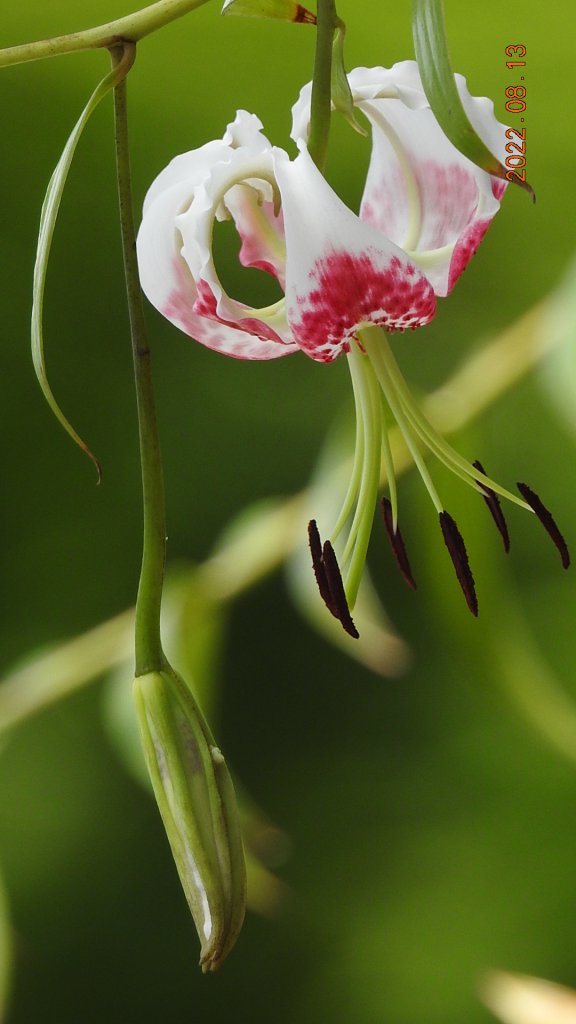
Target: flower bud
<point>197,803</point>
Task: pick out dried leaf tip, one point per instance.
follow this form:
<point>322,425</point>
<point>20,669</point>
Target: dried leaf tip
<point>396,543</point>
<point>329,579</point>
<point>493,502</point>
<point>547,521</point>
<point>458,554</point>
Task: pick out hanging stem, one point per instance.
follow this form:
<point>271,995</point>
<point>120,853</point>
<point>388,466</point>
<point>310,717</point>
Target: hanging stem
<point>129,29</point>
<point>320,104</point>
<point>149,653</point>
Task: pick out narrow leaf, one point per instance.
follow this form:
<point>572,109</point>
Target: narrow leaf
<point>284,10</point>
<point>48,217</point>
<point>431,46</point>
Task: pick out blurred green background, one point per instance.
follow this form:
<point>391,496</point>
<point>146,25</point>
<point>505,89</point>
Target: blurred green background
<point>432,829</point>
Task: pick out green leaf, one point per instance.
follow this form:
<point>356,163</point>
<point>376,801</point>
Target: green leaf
<point>284,10</point>
<point>48,218</point>
<point>431,46</point>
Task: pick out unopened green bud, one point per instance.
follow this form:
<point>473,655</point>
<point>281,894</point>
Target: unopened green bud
<point>196,799</point>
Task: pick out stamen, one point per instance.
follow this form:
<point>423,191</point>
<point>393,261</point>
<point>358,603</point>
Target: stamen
<point>318,565</point>
<point>547,521</point>
<point>393,384</point>
<point>370,425</point>
<point>340,610</point>
<point>458,554</point>
<point>397,543</point>
<point>493,502</point>
<point>329,580</point>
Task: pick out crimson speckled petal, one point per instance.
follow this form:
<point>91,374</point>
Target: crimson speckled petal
<point>341,273</point>
<point>420,192</point>
<point>174,243</point>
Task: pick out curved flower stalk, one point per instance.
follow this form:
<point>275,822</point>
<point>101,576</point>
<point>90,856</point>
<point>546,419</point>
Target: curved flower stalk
<point>348,281</point>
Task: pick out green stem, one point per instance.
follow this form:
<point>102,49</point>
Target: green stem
<point>320,104</point>
<point>129,29</point>
<point>149,654</point>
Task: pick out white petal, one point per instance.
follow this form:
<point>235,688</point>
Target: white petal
<point>420,191</point>
<point>168,284</point>
<point>196,226</point>
<point>402,81</point>
<point>520,999</point>
<point>423,193</point>
<point>193,166</point>
<point>189,167</point>
<point>480,111</point>
<point>260,229</point>
<point>340,272</point>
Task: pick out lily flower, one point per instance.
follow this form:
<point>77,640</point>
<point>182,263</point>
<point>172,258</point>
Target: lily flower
<point>349,281</point>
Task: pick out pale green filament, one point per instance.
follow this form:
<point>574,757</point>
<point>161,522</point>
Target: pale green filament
<point>359,537</point>
<point>385,365</point>
<point>390,475</point>
<point>356,474</point>
<point>389,390</point>
<point>378,384</point>
<point>362,492</point>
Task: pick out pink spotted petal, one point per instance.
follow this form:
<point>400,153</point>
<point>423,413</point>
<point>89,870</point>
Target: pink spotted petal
<point>420,192</point>
<point>260,229</point>
<point>168,284</point>
<point>248,170</point>
<point>340,272</point>
<point>210,330</point>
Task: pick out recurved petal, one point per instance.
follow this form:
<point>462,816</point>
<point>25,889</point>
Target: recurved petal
<point>193,166</point>
<point>480,111</point>
<point>261,230</point>
<point>247,170</point>
<point>420,190</point>
<point>189,168</point>
<point>168,284</point>
<point>341,273</point>
<point>401,81</point>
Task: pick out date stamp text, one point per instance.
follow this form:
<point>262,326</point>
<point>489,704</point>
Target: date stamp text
<point>516,104</point>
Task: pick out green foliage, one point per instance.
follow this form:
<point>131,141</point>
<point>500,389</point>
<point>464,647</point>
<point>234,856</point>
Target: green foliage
<point>437,75</point>
<point>431,826</point>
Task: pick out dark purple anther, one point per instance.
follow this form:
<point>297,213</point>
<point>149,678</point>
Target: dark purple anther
<point>397,543</point>
<point>459,556</point>
<point>493,502</point>
<point>547,521</point>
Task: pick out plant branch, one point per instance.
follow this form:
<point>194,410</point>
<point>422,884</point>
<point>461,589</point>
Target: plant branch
<point>149,654</point>
<point>320,104</point>
<point>129,29</point>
